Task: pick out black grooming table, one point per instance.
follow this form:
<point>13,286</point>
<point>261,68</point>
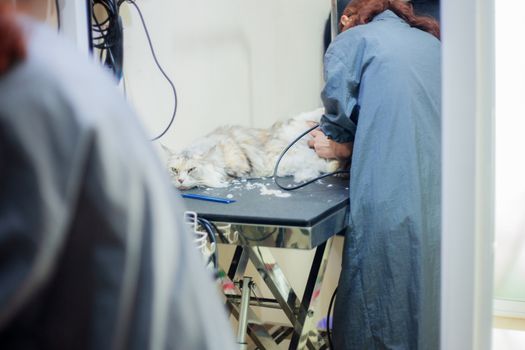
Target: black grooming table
<point>303,207</point>
<point>264,217</point>
<point>318,209</point>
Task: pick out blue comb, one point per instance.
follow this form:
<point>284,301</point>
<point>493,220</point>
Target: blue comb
<point>208,198</point>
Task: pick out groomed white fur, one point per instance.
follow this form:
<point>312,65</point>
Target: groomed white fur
<point>240,152</point>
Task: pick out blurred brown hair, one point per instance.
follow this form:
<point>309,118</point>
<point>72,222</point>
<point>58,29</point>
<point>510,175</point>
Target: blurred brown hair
<point>12,41</point>
<point>363,11</point>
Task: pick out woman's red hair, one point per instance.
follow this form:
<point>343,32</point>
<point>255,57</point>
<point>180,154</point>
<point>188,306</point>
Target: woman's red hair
<point>363,11</point>
<point>12,42</point>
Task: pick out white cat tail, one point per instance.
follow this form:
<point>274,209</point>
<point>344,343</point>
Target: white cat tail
<point>311,116</point>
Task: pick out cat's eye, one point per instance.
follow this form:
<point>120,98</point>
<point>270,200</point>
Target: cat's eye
<point>174,170</point>
<point>190,170</point>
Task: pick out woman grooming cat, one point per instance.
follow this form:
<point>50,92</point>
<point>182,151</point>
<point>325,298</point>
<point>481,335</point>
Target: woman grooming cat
<point>382,95</point>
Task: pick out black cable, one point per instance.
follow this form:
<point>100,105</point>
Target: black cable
<point>305,183</point>
<point>328,330</point>
<point>209,229</point>
<point>219,232</point>
<point>132,2</point>
<point>211,235</point>
<point>215,256</point>
<point>104,44</point>
<point>106,35</point>
<point>57,10</point>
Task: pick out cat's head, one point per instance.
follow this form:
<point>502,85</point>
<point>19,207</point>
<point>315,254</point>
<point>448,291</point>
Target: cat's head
<point>186,172</point>
<point>193,170</point>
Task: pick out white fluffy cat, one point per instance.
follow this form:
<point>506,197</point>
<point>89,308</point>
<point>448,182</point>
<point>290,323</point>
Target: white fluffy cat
<point>239,152</point>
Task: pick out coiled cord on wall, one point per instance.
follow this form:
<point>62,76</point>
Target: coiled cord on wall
<point>108,39</point>
<point>107,35</point>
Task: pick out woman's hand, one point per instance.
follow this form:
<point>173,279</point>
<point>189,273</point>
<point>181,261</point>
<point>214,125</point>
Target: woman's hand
<point>329,149</point>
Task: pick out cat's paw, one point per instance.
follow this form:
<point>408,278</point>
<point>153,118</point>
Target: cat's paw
<point>301,176</point>
<point>333,165</point>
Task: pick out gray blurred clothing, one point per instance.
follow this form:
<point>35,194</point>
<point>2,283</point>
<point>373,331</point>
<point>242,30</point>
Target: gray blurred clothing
<point>93,252</point>
<point>383,93</point>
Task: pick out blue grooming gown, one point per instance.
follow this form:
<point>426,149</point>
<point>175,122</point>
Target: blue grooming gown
<point>383,84</point>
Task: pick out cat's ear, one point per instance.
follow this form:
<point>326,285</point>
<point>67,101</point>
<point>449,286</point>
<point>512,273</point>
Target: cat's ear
<point>168,151</point>
<point>206,154</point>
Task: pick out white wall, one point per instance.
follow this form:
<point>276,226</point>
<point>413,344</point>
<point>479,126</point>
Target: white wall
<point>233,61</point>
<point>510,143</point>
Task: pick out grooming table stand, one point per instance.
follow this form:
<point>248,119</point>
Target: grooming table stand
<point>307,219</point>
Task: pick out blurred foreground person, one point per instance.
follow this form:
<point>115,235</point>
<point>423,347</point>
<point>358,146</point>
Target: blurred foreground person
<point>93,252</point>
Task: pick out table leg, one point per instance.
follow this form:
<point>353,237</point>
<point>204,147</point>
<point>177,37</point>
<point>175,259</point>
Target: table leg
<point>256,330</point>
<point>273,276</point>
<point>308,335</point>
<point>243,313</point>
<point>238,264</point>
<point>299,312</point>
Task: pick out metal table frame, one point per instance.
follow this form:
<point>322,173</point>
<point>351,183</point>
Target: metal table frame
<point>253,245</point>
<point>300,312</point>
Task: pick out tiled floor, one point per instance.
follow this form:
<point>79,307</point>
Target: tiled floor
<point>508,334</point>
